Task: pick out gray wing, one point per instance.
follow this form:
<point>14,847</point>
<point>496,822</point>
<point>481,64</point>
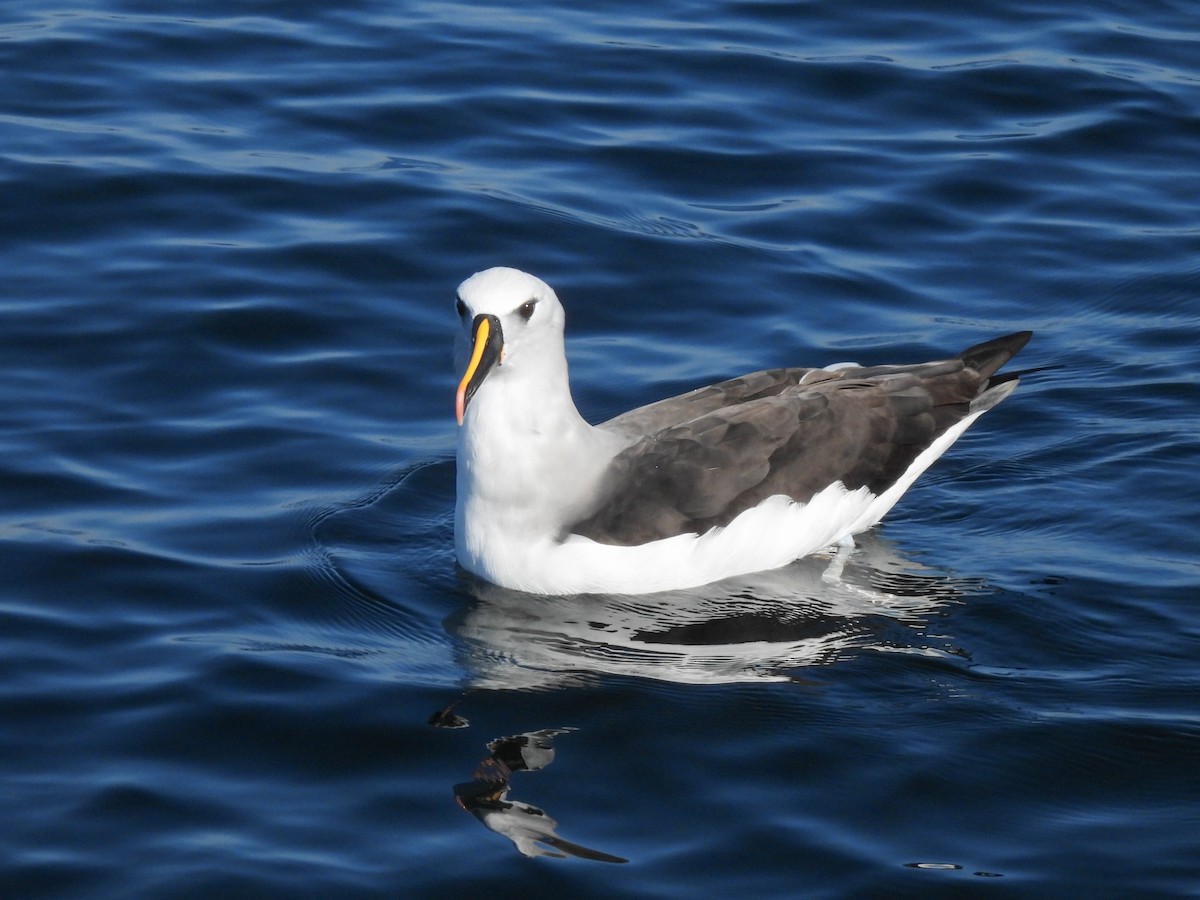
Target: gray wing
<point>655,417</point>
<point>783,431</point>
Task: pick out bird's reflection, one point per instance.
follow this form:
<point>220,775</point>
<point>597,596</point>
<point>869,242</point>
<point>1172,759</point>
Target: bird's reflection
<point>486,795</point>
<point>765,627</point>
<point>760,627</point>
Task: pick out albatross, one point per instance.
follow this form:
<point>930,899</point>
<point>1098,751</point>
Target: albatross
<point>740,476</point>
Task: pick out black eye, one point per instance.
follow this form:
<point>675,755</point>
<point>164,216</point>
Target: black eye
<point>461,308</point>
<point>526,309</point>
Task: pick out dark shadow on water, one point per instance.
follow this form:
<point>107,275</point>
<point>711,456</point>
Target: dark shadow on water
<point>486,797</point>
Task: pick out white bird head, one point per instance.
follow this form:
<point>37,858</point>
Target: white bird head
<point>512,325</point>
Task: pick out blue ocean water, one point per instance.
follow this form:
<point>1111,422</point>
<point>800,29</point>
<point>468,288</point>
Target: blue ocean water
<point>230,236</point>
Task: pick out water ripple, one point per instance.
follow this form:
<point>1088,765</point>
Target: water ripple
<point>230,239</point>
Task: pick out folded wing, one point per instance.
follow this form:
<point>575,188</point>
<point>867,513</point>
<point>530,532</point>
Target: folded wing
<point>697,460</point>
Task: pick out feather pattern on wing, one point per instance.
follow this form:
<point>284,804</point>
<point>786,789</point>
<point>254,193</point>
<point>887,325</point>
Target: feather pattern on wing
<point>710,454</point>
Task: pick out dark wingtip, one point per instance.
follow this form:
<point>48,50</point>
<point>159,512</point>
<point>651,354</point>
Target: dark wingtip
<point>989,356</point>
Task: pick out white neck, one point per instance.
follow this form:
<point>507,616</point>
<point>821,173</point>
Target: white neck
<point>527,464</point>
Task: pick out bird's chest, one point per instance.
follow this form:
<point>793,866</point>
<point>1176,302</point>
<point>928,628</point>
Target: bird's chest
<point>532,486</point>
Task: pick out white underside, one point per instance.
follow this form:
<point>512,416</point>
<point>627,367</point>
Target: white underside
<point>771,534</point>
